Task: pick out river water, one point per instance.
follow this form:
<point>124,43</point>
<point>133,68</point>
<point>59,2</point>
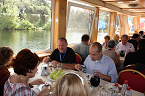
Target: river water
<point>35,40</point>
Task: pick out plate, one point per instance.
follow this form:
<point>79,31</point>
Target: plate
<point>87,76</point>
<point>108,88</point>
<point>47,84</point>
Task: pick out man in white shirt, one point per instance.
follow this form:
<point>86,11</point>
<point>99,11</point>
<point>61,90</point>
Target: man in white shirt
<point>124,45</point>
<point>104,65</point>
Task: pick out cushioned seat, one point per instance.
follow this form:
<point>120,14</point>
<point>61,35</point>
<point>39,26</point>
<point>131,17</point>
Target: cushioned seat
<point>136,80</point>
<point>78,59</point>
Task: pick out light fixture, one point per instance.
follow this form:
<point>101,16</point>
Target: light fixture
<point>120,2</point>
<point>133,5</point>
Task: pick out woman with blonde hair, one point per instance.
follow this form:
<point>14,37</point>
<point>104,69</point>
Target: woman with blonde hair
<point>116,38</point>
<point>72,84</point>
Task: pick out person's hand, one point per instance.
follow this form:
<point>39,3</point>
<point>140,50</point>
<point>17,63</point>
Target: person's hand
<point>98,73</point>
<point>54,63</point>
<point>37,82</point>
<point>45,59</point>
<point>78,67</point>
<point>44,92</point>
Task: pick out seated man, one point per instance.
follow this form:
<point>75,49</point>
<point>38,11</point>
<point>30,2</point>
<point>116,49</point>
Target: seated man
<point>99,62</point>
<point>124,45</point>
<point>63,54</point>
<point>83,47</point>
<point>136,57</point>
<point>134,40</point>
<point>110,52</point>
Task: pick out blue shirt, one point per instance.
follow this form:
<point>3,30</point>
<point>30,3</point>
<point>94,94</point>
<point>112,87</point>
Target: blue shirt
<point>105,65</point>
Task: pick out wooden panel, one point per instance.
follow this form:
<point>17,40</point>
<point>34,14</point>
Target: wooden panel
<point>112,24</point>
<point>126,26</point>
<point>142,2</point>
<point>121,24</point>
<point>95,27</point>
<point>59,20</point>
<point>137,24</point>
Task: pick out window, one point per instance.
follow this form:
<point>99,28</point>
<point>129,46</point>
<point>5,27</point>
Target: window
<point>131,24</point>
<point>103,26</point>
<point>142,24</point>
<point>117,26</point>
<point>80,20</point>
<point>26,24</point>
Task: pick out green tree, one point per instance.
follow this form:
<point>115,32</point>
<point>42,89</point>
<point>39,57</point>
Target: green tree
<point>9,18</point>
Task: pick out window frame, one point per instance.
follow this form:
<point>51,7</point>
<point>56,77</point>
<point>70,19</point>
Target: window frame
<point>108,25</point>
<point>131,32</point>
<point>52,30</point>
<point>80,6</point>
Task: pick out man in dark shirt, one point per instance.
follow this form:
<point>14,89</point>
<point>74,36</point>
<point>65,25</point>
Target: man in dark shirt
<point>134,40</point>
<point>136,57</point>
<point>63,54</point>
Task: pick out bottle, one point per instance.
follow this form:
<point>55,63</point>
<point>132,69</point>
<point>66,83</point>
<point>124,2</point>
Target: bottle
<point>115,90</point>
<point>124,87</point>
<point>128,92</point>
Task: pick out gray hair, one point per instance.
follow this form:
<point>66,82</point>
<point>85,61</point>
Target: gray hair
<point>111,43</point>
<point>124,36</point>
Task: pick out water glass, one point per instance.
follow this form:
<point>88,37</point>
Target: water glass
<point>95,72</point>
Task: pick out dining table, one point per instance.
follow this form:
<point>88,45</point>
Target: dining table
<point>95,91</point>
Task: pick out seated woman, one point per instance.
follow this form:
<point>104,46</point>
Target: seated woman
<point>111,53</point>
<point>104,45</point>
<point>6,56</point>
<point>72,84</point>
<point>116,38</point>
<point>25,67</point>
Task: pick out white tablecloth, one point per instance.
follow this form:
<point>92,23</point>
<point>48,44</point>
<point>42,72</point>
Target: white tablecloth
<point>95,91</point>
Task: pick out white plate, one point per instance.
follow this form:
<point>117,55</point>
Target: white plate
<point>110,85</point>
<point>41,86</point>
<point>87,76</point>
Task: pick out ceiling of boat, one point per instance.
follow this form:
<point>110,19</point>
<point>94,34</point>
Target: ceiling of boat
<point>129,7</point>
<point>133,6</point>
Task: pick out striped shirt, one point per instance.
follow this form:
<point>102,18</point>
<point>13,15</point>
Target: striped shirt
<point>17,89</point>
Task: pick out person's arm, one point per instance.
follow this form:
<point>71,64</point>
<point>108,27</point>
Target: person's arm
<point>117,60</point>
<point>37,82</point>
<point>44,92</point>
<point>132,48</point>
<point>64,65</point>
<point>112,72</point>
<point>78,67</point>
<point>104,77</point>
<point>47,59</point>
<point>68,66</point>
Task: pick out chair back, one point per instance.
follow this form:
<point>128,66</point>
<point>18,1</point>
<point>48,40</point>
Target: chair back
<point>78,59</point>
<point>135,80</point>
<point>132,66</point>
